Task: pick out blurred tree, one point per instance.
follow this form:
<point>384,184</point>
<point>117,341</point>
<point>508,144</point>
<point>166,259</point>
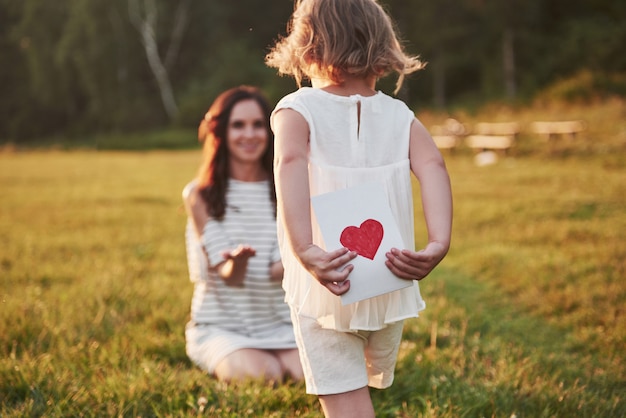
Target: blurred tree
<point>438,32</point>
<point>143,16</point>
<point>504,24</point>
<point>35,33</point>
<point>14,77</point>
<point>80,66</point>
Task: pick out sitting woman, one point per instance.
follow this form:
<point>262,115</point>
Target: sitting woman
<point>240,325</point>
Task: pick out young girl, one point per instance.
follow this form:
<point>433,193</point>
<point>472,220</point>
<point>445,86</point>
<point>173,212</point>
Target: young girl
<point>240,326</point>
<point>337,134</point>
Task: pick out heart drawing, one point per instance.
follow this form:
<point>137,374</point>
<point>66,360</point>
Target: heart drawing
<point>364,240</point>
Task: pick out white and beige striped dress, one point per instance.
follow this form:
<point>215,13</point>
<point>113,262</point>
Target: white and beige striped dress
<point>226,318</point>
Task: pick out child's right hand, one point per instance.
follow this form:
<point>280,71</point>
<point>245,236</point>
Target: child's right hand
<point>330,269</point>
<point>415,265</point>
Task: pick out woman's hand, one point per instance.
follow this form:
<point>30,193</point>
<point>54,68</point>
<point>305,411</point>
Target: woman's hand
<point>233,269</point>
<point>412,265</point>
<point>330,269</point>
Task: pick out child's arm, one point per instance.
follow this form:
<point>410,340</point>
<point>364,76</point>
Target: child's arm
<point>235,265</point>
<point>428,166</point>
<point>291,133</point>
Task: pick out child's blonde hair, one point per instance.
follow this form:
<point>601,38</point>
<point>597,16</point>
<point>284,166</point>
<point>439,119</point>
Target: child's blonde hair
<point>335,38</point>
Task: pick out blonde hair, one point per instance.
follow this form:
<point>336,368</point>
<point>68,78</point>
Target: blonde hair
<point>333,39</point>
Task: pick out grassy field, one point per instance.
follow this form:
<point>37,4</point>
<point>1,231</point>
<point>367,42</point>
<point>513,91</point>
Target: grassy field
<point>525,316</point>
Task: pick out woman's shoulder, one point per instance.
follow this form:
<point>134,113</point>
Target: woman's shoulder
<point>195,207</point>
<point>192,200</point>
<point>189,190</point>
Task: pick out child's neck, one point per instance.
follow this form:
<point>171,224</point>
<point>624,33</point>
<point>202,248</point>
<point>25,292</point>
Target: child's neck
<point>364,86</point>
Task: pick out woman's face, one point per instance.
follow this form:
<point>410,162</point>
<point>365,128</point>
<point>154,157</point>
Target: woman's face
<point>247,134</point>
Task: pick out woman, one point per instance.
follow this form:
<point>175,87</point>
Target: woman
<point>240,326</point>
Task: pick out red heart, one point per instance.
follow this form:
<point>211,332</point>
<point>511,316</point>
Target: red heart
<point>365,239</point>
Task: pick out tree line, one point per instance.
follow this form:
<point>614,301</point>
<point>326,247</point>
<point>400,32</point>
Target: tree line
<point>76,67</point>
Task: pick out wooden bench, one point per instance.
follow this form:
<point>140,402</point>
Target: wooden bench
<point>447,136</point>
<point>497,128</point>
<point>490,142</point>
<point>448,142</point>
<point>499,136</point>
<point>551,130</point>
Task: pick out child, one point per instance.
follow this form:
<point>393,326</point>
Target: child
<point>339,133</point>
<point>240,326</point>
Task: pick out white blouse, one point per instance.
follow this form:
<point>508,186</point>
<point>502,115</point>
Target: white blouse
<point>353,140</point>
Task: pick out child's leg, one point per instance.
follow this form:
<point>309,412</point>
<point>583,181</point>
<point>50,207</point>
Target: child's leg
<point>333,361</point>
<point>354,404</point>
<point>381,353</point>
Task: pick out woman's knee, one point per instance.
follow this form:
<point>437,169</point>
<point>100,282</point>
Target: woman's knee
<point>249,364</point>
<point>290,361</point>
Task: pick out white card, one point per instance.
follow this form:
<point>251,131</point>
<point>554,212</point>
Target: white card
<point>359,218</point>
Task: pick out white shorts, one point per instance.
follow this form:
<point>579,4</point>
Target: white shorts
<point>207,345</point>
<point>337,362</point>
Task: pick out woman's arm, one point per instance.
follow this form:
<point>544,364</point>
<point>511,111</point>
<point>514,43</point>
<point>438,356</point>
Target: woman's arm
<point>233,269</point>
<point>276,271</point>
<point>291,133</point>
<point>195,208</point>
<point>436,195</point>
<point>235,265</point>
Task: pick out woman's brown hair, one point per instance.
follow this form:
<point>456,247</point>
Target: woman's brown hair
<point>214,171</point>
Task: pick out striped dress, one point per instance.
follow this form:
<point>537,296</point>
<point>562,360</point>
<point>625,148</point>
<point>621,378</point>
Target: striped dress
<point>226,318</point>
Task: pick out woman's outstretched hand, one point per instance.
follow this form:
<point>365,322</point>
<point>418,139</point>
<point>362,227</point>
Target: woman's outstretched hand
<point>233,269</point>
<point>330,269</point>
<point>415,265</point>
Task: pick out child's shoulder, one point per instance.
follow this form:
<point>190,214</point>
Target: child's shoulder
<point>302,92</point>
<point>302,100</point>
<point>314,98</point>
<point>311,93</point>
<point>384,97</point>
<point>393,104</point>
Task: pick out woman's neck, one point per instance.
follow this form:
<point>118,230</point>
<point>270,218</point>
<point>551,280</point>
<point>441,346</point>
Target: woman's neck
<point>247,172</point>
<point>364,86</point>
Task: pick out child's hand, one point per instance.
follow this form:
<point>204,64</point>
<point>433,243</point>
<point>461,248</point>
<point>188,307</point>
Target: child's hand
<point>329,268</point>
<point>411,265</point>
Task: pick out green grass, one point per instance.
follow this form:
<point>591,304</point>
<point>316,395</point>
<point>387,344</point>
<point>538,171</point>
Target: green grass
<point>525,316</point>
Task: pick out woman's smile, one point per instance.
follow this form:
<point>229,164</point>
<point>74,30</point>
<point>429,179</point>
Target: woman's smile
<point>247,132</point>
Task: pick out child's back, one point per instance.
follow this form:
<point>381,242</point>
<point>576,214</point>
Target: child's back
<point>354,140</point>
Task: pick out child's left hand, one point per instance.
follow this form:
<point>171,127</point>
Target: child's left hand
<point>415,265</point>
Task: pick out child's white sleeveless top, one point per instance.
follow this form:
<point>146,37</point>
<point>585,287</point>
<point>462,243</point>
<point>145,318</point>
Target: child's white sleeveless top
<point>350,146</point>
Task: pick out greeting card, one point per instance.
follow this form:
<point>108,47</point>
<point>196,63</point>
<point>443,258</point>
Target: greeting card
<point>359,218</point>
